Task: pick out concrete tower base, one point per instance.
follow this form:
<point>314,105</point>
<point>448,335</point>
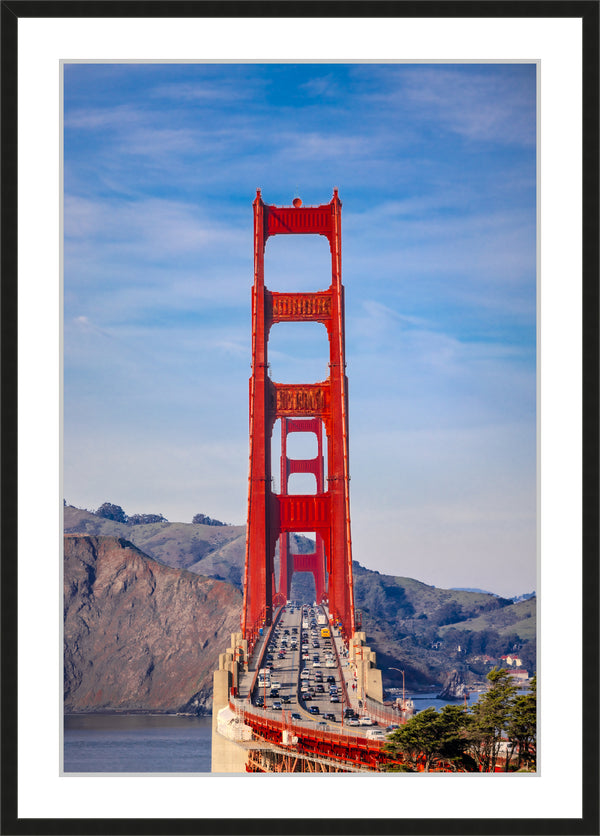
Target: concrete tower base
<point>227,756</point>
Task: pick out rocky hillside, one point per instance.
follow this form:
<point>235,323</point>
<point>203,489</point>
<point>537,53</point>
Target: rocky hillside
<point>411,625</point>
<point>140,635</point>
<point>429,632</point>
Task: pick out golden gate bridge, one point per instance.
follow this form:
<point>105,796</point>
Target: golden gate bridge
<point>314,653</point>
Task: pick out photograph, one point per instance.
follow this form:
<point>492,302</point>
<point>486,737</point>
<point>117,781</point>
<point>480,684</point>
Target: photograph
<point>292,220</point>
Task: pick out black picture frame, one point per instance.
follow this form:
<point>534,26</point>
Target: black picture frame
<point>12,11</point>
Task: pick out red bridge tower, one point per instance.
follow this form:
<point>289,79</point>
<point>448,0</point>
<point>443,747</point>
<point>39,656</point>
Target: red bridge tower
<point>302,408</point>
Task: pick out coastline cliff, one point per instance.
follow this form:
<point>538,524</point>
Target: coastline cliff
<point>139,635</point>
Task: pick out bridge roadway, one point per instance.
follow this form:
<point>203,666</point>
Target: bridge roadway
<point>301,661</point>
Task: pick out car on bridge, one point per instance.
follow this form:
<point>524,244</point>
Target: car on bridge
<point>331,717</point>
<point>296,716</point>
<point>314,709</point>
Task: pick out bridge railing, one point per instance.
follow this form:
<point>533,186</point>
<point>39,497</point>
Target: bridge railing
<point>357,751</point>
<point>385,714</point>
<point>282,719</point>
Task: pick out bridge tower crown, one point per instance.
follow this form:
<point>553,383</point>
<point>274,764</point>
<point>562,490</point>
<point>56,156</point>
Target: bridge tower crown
<point>306,407</point>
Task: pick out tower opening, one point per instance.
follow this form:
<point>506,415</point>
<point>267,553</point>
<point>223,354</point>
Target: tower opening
<point>298,351</point>
<point>303,588</point>
<point>297,263</point>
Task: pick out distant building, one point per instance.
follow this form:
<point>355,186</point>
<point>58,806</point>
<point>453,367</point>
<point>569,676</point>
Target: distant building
<point>489,660</point>
<point>519,675</point>
<point>512,659</point>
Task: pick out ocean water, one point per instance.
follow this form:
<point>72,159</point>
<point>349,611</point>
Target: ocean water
<point>423,701</point>
<point>136,743</point>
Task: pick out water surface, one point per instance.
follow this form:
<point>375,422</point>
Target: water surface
<point>136,743</point>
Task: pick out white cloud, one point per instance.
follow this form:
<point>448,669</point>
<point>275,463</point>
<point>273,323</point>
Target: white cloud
<point>95,119</point>
<point>147,228</point>
<point>205,92</point>
<point>481,106</point>
<point>476,107</point>
<point>321,87</point>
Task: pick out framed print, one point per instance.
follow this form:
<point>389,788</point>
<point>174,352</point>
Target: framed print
<point>138,142</point>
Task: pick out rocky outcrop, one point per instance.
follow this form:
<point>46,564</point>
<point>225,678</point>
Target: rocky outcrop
<point>139,635</point>
<point>454,687</point>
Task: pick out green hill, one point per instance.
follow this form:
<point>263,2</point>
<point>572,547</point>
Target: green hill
<point>519,618</point>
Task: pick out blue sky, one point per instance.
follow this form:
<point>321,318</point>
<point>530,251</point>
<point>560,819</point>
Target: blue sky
<point>436,170</point>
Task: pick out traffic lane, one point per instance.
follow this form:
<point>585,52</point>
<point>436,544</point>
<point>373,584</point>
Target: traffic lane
<point>283,670</point>
<point>319,680</point>
<point>286,671</point>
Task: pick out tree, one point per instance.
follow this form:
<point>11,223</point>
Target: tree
<point>449,613</point>
<point>146,519</point>
<point>490,717</point>
<point>522,727</point>
<point>111,512</point>
<point>433,739</point>
<point>202,519</point>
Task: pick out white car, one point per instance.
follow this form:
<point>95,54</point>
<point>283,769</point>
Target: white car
<point>365,721</point>
<point>305,674</point>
